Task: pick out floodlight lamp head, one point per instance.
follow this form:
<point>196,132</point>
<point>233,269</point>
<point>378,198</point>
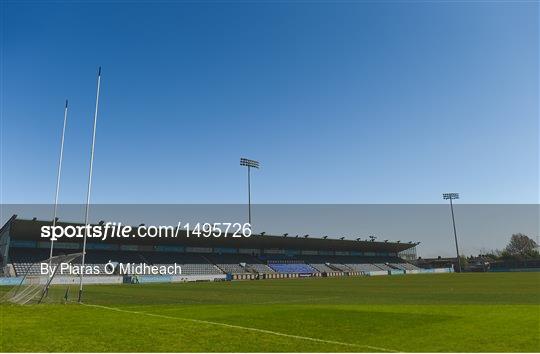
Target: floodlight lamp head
<point>249,163</point>
<point>447,196</point>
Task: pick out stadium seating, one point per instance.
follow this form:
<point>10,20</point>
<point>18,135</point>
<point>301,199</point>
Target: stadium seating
<point>233,263</point>
<point>239,263</point>
<point>300,268</point>
<point>363,267</point>
<point>261,268</point>
<point>25,260</point>
<point>404,266</point>
<point>192,264</point>
<point>320,263</point>
<point>210,264</point>
<point>342,267</point>
<point>232,268</point>
<point>23,267</point>
<point>323,268</point>
<point>200,269</point>
<point>383,266</point>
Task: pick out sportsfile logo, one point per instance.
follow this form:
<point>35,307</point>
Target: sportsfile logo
<point>120,231</point>
<point>111,268</point>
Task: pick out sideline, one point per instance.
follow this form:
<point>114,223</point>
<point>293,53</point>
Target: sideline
<point>245,328</point>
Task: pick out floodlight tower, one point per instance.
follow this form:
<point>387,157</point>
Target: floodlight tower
<point>249,164</point>
<point>450,197</point>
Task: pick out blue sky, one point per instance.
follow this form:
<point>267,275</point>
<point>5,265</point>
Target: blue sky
<point>348,102</point>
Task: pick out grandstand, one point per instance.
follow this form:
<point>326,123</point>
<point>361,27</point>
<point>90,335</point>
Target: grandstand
<point>256,257</point>
<point>292,268</point>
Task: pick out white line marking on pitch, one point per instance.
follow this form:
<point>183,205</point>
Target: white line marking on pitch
<point>293,301</point>
<point>246,328</point>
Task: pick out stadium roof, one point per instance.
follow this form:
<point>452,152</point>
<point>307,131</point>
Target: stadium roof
<point>23,229</point>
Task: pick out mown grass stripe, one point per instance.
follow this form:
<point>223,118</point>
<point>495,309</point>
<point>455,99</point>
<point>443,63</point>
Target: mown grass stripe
<point>246,328</point>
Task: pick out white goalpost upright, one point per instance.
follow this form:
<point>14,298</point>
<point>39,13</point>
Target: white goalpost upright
<point>58,177</point>
<point>86,213</point>
<point>36,287</point>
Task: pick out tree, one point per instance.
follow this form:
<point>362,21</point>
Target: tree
<point>490,253</point>
<point>464,261</point>
<point>521,246</point>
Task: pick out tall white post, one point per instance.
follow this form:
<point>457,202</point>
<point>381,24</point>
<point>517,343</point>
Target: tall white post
<point>58,178</point>
<point>86,222</point>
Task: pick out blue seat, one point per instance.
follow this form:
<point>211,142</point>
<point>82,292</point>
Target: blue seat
<point>291,268</point>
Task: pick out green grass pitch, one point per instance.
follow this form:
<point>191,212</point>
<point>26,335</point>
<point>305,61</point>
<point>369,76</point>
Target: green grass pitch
<point>490,312</point>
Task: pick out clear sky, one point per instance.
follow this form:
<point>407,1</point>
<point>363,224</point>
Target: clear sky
<point>342,102</point>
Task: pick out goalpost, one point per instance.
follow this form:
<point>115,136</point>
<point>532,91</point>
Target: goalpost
<point>36,287</point>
